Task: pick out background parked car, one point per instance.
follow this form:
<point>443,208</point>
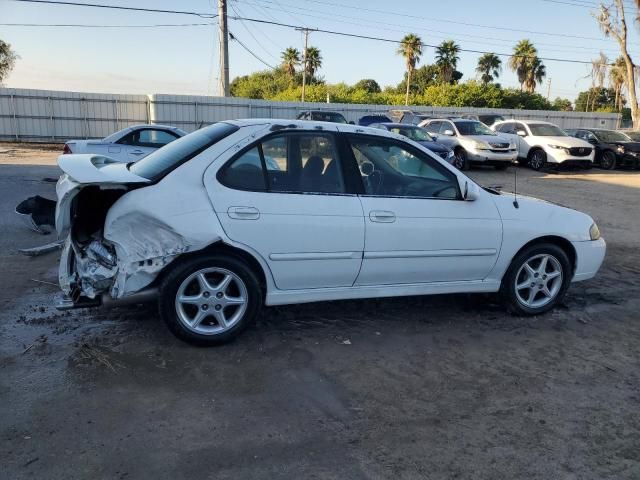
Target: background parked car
<point>129,144</point>
<point>543,143</point>
<point>367,120</point>
<point>487,118</point>
<point>472,142</point>
<point>612,148</point>
<point>419,135</point>
<point>322,116</point>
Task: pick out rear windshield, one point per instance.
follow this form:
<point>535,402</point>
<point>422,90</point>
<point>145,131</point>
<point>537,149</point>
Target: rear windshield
<point>157,164</point>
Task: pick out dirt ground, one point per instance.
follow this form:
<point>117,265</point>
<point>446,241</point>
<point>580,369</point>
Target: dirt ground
<point>419,387</point>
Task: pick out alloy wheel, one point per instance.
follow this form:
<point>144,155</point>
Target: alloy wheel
<point>539,280</point>
<point>537,160</point>
<point>211,301</point>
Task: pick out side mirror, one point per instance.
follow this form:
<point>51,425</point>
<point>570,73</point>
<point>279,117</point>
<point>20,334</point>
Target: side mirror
<point>592,141</point>
<point>352,122</point>
<point>448,133</point>
<point>470,190</point>
<point>521,133</point>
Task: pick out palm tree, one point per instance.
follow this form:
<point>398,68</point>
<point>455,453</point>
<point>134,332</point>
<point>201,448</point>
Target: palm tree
<point>290,60</point>
<point>537,72</point>
<point>313,59</point>
<point>489,67</point>
<point>411,49</point>
<point>524,55</point>
<point>447,59</point>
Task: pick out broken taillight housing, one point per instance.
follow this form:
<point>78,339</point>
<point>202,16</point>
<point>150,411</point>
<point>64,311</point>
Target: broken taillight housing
<point>66,150</point>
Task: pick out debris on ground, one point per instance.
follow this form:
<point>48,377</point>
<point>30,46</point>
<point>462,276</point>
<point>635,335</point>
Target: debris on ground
<point>38,213</point>
<point>41,250</point>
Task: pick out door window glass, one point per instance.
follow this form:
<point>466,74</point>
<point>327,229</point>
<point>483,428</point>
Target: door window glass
<point>155,138</point>
<point>245,172</point>
<point>390,168</point>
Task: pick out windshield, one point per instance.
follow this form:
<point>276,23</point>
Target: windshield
<point>611,136</point>
<point>490,119</point>
<point>157,164</point>
<point>635,136</point>
<point>328,117</point>
<point>473,128</point>
<point>546,130</point>
<point>416,134</point>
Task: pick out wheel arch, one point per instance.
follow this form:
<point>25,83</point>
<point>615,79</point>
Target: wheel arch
<point>560,242</point>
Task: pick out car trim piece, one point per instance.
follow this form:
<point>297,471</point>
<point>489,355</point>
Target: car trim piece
<point>483,252</point>
<point>287,257</point>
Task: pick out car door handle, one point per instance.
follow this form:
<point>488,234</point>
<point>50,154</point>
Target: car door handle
<point>382,216</point>
<point>243,213</point>
<point>136,152</point>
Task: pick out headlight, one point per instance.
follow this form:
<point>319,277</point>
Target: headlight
<point>450,154</point>
<point>620,148</point>
<point>594,232</point>
<point>512,146</point>
<point>480,145</point>
<point>559,147</point>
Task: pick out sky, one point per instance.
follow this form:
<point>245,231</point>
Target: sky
<point>184,59</point>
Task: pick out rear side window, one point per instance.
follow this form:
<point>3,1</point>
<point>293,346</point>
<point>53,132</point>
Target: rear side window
<point>293,163</point>
<point>162,161</point>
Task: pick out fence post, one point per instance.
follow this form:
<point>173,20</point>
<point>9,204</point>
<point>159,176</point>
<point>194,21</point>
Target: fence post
<point>84,107</point>
<point>195,114</point>
<point>15,120</point>
<point>148,110</point>
<point>115,114</point>
<point>51,119</point>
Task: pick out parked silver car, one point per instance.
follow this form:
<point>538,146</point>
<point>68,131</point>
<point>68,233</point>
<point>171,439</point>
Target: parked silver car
<point>472,142</point>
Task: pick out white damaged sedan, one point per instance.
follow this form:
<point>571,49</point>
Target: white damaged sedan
<point>247,213</point>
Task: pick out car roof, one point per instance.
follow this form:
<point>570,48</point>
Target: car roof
<point>321,111</point>
<point>397,125</point>
<point>284,124</point>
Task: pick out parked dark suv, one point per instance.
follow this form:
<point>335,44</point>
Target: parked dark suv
<point>612,148</point>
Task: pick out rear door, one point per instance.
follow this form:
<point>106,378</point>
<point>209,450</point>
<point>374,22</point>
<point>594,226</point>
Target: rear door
<point>286,198</point>
<point>418,229</point>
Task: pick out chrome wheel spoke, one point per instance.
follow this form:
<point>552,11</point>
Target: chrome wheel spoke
<point>545,278</point>
<point>543,265</point>
<point>529,270</point>
<point>197,320</point>
<point>224,284</point>
<point>220,317</point>
<point>204,284</point>
<point>552,275</point>
<point>191,299</point>
<point>532,295</point>
<point>234,301</point>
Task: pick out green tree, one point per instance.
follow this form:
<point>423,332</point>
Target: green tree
<point>313,61</point>
<point>447,59</point>
<point>290,60</point>
<point>411,49</point>
<point>7,60</point>
<point>562,104</point>
<point>368,85</point>
<point>617,74</point>
<point>596,98</point>
<point>489,67</point>
<point>527,66</point>
<point>421,78</point>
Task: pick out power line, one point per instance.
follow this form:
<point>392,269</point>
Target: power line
<point>233,37</point>
<point>84,25</point>
<point>118,7</point>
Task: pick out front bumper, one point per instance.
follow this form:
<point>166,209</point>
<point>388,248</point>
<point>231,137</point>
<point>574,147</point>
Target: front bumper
<point>489,156</point>
<point>628,158</point>
<point>559,156</point>
<point>589,257</point>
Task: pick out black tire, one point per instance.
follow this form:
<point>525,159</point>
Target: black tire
<point>608,160</point>
<point>537,159</point>
<point>172,282</point>
<point>460,161</point>
<point>501,167</point>
<point>508,287</point>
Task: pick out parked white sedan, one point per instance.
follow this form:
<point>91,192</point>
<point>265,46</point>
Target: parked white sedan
<point>543,143</point>
<point>214,231</point>
<point>129,144</point>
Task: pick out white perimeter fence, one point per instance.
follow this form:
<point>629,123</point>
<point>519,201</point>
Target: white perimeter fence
<point>50,116</point>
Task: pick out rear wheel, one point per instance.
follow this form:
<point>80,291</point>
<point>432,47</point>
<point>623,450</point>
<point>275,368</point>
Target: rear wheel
<point>608,160</point>
<point>460,160</point>
<point>537,159</point>
<point>536,280</point>
<point>209,300</point>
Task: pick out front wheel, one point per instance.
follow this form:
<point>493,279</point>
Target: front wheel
<point>537,159</point>
<point>460,160</point>
<point>608,160</point>
<point>536,280</point>
<point>209,300</point>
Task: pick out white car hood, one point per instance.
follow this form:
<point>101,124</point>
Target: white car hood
<point>84,170</point>
<point>567,142</point>
<point>487,138</point>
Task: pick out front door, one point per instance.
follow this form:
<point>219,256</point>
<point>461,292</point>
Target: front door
<point>284,197</point>
<point>418,229</point>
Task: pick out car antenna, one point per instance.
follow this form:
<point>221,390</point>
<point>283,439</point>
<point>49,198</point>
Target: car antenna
<point>515,185</point>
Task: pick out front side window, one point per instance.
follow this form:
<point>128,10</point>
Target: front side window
<point>393,169</point>
<point>289,163</point>
<point>417,134</point>
<point>508,127</point>
<point>433,127</point>
<point>154,138</point>
<point>447,126</point>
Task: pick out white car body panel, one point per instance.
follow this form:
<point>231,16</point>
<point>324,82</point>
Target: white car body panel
<point>554,155</point>
<point>314,247</point>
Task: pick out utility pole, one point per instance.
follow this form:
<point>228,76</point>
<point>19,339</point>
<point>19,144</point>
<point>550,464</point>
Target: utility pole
<point>304,58</point>
<point>223,36</point>
<point>548,87</point>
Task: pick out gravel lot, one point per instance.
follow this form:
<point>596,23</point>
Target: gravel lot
<point>419,387</point>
